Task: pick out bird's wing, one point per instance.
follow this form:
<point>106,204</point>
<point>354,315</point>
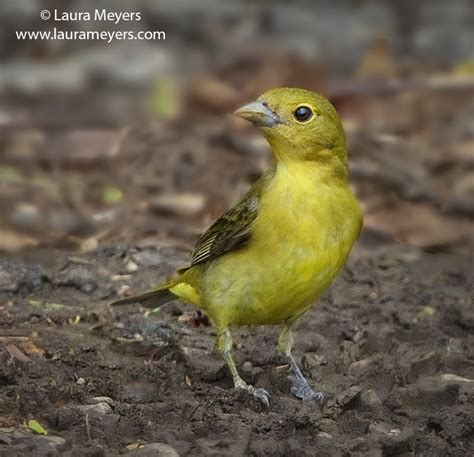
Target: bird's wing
<point>232,229</point>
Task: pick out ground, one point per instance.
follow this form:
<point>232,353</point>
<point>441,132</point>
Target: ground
<point>390,344</point>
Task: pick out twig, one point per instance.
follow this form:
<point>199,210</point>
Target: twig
<point>88,428</point>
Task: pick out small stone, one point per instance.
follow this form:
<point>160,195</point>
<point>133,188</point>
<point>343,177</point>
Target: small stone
<point>117,278</point>
<point>124,290</point>
<point>359,444</point>
<point>370,398</point>
<point>347,400</point>
<point>54,441</point>
<point>4,438</point>
<point>89,245</point>
<point>131,267</point>
<point>153,450</point>
<point>96,400</point>
<point>382,428</point>
<point>99,408</point>
<point>449,377</point>
<point>185,204</point>
<point>398,442</point>
<point>149,258</point>
<point>360,367</point>
<point>26,215</point>
<point>81,382</point>
<point>329,426</point>
<point>325,435</point>
<point>79,277</point>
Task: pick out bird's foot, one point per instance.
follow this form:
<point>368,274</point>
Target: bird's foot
<point>257,392</point>
<point>305,392</point>
<point>261,394</point>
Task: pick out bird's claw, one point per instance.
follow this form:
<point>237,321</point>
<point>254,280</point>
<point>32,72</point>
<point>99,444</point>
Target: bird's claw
<point>259,393</point>
<point>305,392</point>
<point>262,395</point>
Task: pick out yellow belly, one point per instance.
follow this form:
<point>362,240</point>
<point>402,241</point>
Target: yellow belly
<point>300,240</point>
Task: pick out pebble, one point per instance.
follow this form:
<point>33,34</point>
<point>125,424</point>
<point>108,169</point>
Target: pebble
<point>78,277</point>
<point>360,367</point>
<point>131,267</point>
<point>153,450</point>
<point>15,276</point>
<point>149,258</point>
<point>4,438</point>
<point>98,408</point>
<point>343,402</point>
<point>328,426</point>
<point>186,204</point>
<point>96,400</point>
<point>384,429</point>
<point>370,398</point>
<point>449,377</point>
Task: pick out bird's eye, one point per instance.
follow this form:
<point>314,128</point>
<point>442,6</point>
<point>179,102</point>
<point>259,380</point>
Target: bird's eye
<point>303,114</point>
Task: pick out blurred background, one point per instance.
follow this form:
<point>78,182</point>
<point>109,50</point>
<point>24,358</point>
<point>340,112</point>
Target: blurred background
<point>133,141</point>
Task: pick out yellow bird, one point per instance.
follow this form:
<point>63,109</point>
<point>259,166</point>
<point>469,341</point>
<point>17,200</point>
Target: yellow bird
<point>270,257</point>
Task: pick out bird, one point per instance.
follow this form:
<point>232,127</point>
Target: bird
<point>269,258</point>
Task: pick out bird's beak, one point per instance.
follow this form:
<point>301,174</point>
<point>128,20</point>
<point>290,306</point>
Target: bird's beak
<point>258,113</point>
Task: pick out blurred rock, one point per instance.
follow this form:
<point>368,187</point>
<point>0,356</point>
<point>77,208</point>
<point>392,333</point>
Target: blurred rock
<point>131,267</point>
<point>185,204</point>
<point>89,245</point>
<point>77,276</point>
<point>99,409</point>
<point>149,258</point>
<point>83,149</point>
<point>15,276</point>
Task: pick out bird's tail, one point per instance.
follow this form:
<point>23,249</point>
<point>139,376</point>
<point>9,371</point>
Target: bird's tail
<point>150,299</point>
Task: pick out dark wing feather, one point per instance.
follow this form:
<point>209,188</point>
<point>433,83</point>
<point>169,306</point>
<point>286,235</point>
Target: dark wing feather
<point>233,229</point>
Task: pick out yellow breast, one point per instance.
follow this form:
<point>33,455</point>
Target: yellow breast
<point>300,240</point>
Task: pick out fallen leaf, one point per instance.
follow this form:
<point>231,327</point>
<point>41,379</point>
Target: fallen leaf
<point>112,195</point>
<point>36,427</point>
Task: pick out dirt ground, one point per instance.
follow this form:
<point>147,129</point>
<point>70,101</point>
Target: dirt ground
<point>391,344</point>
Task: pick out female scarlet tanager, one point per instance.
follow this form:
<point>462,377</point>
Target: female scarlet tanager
<point>267,260</point>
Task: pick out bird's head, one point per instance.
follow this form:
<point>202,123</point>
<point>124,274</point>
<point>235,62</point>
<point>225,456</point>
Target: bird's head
<point>299,125</point>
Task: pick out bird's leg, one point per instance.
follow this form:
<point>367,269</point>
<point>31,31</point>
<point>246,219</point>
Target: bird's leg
<point>224,346</point>
<point>301,387</point>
